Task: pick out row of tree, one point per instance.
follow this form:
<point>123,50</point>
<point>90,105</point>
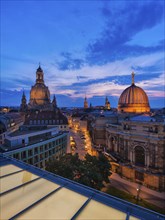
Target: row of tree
<point>93,171</point>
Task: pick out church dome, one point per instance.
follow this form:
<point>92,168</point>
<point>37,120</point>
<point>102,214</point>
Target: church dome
<point>133,100</point>
<point>39,94</point>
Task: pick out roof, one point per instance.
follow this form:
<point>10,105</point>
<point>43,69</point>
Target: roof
<point>28,192</point>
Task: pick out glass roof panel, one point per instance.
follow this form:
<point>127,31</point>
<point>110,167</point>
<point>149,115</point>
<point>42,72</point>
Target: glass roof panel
<point>133,218</point>
<point>16,179</point>
<point>62,204</point>
<point>92,212</point>
<point>4,170</point>
<point>17,200</point>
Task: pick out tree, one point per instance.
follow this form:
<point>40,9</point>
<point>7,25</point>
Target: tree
<point>92,171</point>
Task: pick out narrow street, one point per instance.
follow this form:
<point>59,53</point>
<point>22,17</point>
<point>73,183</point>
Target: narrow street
<point>151,196</point>
<point>83,143</point>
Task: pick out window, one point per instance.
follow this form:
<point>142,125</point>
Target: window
<point>139,156</point>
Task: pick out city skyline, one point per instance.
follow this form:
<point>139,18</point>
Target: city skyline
<point>85,47</point>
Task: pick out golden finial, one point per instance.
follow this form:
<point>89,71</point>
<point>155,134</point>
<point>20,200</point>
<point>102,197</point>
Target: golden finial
<point>133,76</point>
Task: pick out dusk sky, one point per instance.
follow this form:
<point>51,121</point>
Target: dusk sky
<point>84,47</point>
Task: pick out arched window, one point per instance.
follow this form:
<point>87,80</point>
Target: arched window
<point>139,156</point>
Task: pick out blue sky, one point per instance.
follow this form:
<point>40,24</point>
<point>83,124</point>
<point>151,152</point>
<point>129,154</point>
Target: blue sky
<point>84,47</point>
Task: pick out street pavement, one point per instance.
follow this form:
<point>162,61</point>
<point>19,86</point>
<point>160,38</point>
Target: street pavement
<point>151,196</point>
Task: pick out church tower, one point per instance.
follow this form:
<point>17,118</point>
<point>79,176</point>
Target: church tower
<point>85,102</point>
<point>107,103</point>
<point>23,106</point>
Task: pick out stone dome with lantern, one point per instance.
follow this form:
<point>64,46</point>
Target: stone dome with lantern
<point>39,94</point>
<point>133,100</point>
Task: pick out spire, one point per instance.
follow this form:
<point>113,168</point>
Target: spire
<point>39,68</point>
<point>133,76</point>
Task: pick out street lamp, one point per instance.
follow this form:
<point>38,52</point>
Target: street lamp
<point>137,196</point>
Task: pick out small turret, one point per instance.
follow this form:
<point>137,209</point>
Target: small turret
<point>23,106</point>
<point>54,102</point>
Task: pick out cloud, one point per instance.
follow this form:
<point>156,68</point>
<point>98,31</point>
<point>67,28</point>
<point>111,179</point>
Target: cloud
<point>123,21</point>
<point>122,24</point>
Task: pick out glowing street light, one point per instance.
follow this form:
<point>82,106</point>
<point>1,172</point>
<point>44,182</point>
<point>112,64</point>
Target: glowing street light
<point>138,192</point>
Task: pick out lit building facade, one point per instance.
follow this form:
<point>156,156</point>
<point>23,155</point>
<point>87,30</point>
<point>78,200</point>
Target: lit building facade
<point>138,145</point>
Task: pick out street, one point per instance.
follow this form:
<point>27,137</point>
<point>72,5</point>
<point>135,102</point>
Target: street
<point>83,143</point>
<point>151,196</point>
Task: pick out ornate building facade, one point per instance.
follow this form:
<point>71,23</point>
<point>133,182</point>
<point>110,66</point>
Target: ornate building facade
<point>138,145</point>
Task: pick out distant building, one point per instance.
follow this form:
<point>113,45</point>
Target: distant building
<point>85,103</point>
<point>107,103</point>
<point>9,122</point>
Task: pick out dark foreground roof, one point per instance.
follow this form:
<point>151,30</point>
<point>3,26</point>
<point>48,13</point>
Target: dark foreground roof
<point>28,192</point>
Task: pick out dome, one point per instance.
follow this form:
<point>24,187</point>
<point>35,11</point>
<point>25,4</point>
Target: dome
<point>39,94</point>
<point>133,99</point>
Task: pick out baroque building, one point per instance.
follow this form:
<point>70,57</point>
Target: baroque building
<point>133,137</point>
<point>137,143</point>
<point>40,110</point>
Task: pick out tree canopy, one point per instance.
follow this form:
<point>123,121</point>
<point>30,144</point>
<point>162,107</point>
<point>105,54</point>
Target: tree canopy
<point>93,171</point>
